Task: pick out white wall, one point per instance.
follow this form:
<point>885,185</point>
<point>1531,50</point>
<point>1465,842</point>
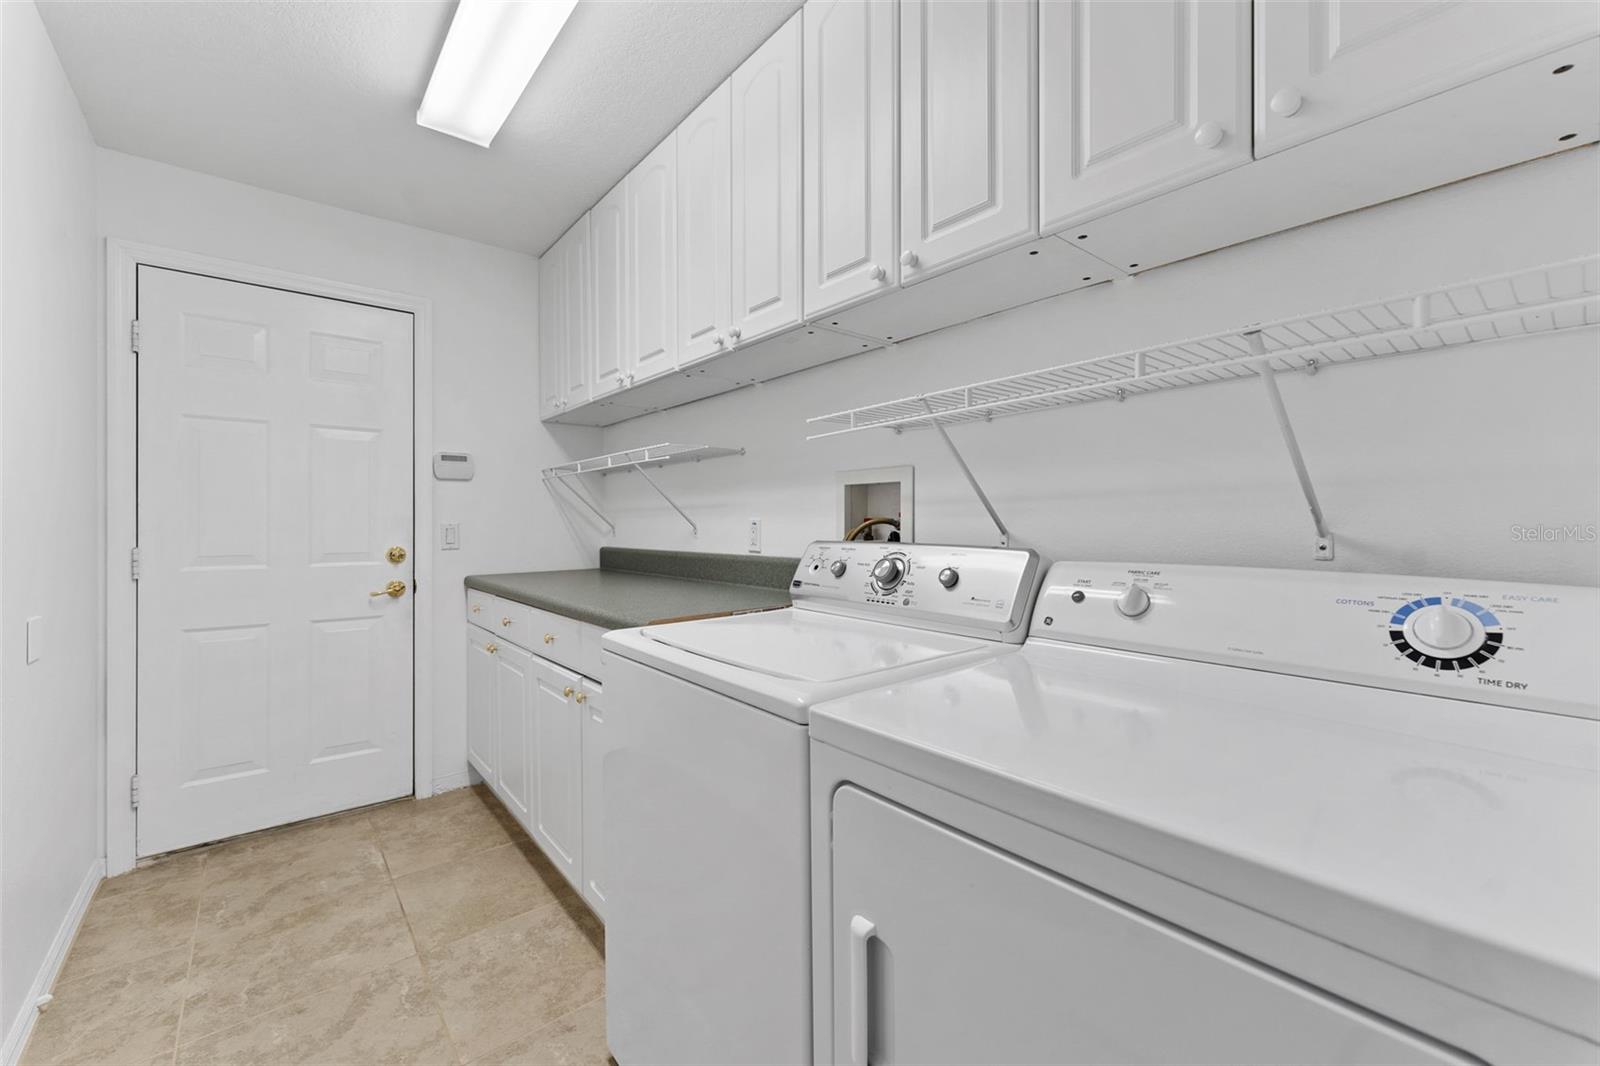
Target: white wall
<point>484,390</point>
<point>50,513</point>
<point>1423,463</point>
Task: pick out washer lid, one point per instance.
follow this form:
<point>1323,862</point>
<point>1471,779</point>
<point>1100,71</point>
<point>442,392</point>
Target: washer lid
<point>1457,840</point>
<point>809,646</point>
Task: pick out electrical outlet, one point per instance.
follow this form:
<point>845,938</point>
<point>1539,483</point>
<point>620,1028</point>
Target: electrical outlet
<point>755,536</point>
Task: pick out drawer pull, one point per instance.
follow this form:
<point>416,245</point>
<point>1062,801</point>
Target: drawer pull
<point>568,691</point>
<point>582,697</point>
<point>549,638</point>
<point>477,607</point>
<point>491,647</point>
<point>505,621</point>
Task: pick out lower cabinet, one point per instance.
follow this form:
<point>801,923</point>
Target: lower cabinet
<point>600,730</point>
<point>557,756</point>
<point>536,734</point>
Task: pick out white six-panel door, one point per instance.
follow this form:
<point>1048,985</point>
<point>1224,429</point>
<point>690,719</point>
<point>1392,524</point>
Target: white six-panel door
<point>1136,99</point>
<point>704,218</point>
<point>849,138</point>
<point>652,220</point>
<point>968,172</point>
<point>765,191</point>
<point>274,476</point>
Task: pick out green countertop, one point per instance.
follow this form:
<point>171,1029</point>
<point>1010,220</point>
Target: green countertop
<point>632,587</point>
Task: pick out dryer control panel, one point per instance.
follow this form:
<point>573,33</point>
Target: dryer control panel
<point>984,592</point>
<point>1530,646</point>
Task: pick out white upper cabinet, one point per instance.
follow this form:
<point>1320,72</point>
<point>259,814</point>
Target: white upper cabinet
<point>608,276</point>
<point>765,190</point>
<point>704,216</point>
<point>849,127</point>
<point>968,166</point>
<point>577,353</point>
<point>652,271</point>
<point>1137,99</point>
<point>552,317</point>
<point>1321,65</point>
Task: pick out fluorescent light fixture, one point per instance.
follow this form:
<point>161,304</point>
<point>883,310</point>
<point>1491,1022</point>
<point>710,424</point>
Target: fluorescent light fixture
<point>488,58</point>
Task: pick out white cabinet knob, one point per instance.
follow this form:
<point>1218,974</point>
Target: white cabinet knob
<point>908,259</point>
<point>630,379</point>
<point>735,333</point>
<point>877,273</point>
<point>1208,135</point>
<point>718,341</point>
<point>1286,102</point>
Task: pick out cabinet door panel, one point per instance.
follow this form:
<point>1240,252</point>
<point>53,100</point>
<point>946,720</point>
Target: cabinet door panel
<point>608,237</point>
<point>578,326</point>
<point>1137,99</point>
<point>652,221</point>
<point>967,130</point>
<point>513,683</point>
<point>849,133</point>
<point>600,728</point>
<point>557,758</point>
<point>552,317</point>
<point>994,959</point>
<point>765,190</point>
<point>1327,64</point>
<point>480,704</point>
<point>704,218</point>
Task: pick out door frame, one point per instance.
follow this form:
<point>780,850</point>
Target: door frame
<point>119,754</point>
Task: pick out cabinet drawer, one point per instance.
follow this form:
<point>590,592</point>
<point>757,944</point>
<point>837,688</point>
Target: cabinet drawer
<point>551,636</point>
<point>480,609</point>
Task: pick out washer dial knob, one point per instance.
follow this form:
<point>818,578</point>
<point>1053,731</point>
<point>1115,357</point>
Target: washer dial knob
<point>949,576</point>
<point>1446,633</point>
<point>889,572</point>
<point>838,567</point>
<point>1133,602</point>
<point>1443,627</point>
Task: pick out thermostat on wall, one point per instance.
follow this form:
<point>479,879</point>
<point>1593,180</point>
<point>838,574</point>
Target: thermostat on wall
<point>452,466</point>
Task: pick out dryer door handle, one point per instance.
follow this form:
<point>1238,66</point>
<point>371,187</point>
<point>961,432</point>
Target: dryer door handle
<point>861,933</point>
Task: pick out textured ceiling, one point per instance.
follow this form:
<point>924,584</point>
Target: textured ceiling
<point>319,100</point>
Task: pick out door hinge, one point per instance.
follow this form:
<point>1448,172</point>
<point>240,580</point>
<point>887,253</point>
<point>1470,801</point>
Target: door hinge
<point>133,336</point>
<point>133,564</point>
<point>133,791</point>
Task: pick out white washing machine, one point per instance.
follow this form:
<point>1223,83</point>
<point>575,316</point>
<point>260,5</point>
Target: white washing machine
<point>1218,815</point>
<point>708,943</point>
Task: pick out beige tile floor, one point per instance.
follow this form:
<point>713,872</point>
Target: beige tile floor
<point>413,932</point>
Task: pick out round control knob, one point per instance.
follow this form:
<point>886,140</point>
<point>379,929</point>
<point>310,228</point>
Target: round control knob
<point>1443,627</point>
<point>948,577</point>
<point>1133,602</point>
<point>888,572</point>
<point>838,567</point>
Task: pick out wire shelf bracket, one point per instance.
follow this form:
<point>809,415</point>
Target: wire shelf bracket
<point>1553,298</point>
<point>635,459</point>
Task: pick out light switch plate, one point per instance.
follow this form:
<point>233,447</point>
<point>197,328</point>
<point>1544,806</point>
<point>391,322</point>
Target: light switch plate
<point>754,544</point>
<point>450,537</point>
<point>35,638</point>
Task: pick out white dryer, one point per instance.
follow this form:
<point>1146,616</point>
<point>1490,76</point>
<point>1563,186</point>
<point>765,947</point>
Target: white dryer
<point>1218,815</point>
<point>708,943</point>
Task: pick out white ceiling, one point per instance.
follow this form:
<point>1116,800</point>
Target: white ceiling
<point>319,100</point>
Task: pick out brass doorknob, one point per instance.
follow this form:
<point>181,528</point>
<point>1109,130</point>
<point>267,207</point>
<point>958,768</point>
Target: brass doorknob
<point>396,554</point>
<point>394,590</point>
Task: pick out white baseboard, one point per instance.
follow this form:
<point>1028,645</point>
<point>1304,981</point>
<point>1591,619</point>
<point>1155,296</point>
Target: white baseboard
<point>451,782</point>
<point>22,1026</point>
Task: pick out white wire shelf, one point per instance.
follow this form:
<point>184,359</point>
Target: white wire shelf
<point>638,458</point>
<point>1547,299</point>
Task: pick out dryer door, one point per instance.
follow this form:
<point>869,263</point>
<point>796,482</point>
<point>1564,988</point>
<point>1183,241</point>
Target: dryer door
<point>948,951</point>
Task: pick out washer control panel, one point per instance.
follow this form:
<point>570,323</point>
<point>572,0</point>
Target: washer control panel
<point>984,592</point>
<point>1529,646</point>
